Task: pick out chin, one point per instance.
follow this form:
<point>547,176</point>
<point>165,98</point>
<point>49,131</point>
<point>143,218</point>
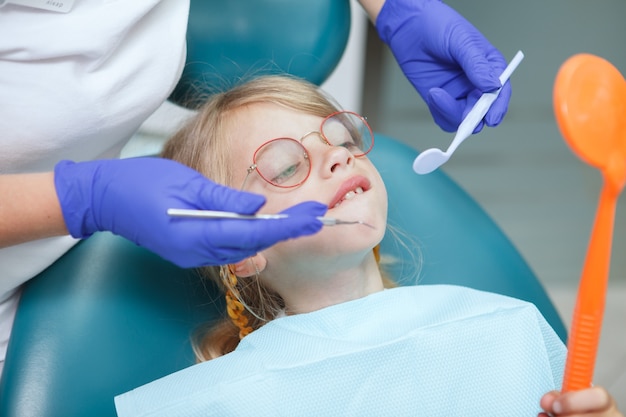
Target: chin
<point>333,240</point>
<point>355,236</point>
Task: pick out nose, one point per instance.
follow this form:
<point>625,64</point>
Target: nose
<point>335,159</point>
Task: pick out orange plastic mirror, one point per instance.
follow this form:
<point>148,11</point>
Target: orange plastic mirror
<point>590,107</point>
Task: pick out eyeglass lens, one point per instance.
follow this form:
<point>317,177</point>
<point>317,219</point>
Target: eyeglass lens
<point>284,162</point>
<point>348,130</point>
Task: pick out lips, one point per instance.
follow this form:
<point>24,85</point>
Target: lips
<point>349,189</point>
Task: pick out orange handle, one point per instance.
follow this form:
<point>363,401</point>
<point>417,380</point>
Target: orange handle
<point>587,321</point>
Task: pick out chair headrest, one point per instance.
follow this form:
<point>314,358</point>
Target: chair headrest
<point>230,41</point>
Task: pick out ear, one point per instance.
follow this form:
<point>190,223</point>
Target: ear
<point>250,266</point>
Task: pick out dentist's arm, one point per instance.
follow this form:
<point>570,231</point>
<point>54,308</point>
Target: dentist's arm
<point>130,197</point>
<point>29,208</point>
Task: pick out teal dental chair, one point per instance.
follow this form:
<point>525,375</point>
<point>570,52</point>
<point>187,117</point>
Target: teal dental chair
<point>110,316</point>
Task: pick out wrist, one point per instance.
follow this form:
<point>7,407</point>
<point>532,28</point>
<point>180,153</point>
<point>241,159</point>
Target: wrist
<point>395,13</point>
<point>73,182</point>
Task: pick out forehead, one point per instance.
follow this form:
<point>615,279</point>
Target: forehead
<point>255,124</point>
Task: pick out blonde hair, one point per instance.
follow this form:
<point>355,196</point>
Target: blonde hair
<point>204,144</point>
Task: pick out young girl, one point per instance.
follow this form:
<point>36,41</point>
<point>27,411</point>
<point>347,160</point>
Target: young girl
<point>310,328</point>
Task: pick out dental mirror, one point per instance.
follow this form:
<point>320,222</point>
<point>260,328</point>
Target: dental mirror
<point>431,159</point>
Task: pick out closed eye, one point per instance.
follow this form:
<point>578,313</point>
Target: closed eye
<point>286,173</point>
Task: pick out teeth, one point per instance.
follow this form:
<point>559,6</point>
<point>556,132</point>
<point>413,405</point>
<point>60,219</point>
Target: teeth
<point>350,195</point>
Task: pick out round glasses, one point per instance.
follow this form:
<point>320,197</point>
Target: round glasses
<point>285,162</point>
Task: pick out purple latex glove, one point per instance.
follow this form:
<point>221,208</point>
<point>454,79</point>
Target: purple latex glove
<point>130,197</point>
<point>448,61</point>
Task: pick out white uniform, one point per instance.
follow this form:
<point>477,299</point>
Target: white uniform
<point>77,86</point>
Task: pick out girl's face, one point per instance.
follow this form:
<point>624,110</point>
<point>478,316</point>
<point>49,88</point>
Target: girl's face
<point>351,187</point>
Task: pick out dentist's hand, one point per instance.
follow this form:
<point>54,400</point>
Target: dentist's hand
<point>130,197</point>
<point>448,61</point>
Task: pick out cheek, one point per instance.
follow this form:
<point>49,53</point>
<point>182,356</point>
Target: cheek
<point>278,199</point>
<point>382,199</point>
<point>385,201</point>
<point>295,250</point>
